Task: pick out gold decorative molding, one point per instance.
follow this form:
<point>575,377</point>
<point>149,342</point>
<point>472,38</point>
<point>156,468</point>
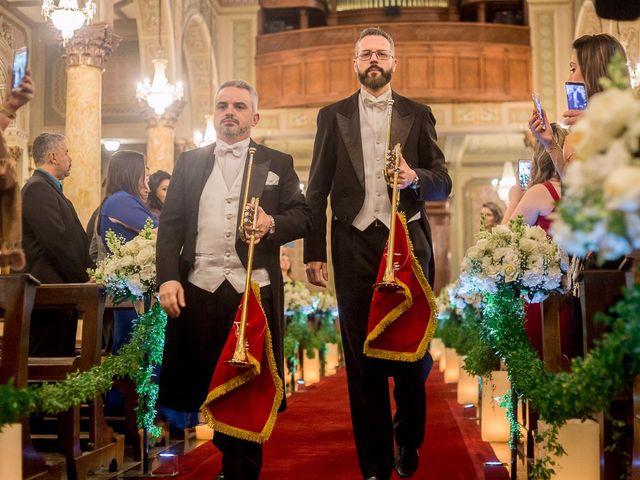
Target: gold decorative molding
<point>168,119</point>
<point>16,152</point>
<point>242,57</point>
<point>92,46</point>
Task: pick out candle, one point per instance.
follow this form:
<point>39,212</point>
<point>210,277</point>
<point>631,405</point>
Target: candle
<point>11,451</point>
<point>581,442</point>
<point>467,385</point>
<point>452,368</point>
<point>494,425</point>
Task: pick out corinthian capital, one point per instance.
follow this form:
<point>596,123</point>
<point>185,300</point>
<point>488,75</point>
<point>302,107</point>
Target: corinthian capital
<point>91,45</point>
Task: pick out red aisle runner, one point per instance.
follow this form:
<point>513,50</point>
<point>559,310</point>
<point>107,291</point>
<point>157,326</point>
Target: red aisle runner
<point>312,440</point>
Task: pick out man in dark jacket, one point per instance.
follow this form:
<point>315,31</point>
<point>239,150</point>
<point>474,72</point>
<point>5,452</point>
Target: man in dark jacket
<point>348,164</point>
<point>55,243</point>
<point>201,259</point>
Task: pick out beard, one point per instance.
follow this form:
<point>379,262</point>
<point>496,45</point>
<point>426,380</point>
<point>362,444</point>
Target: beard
<point>377,82</point>
<point>234,131</point>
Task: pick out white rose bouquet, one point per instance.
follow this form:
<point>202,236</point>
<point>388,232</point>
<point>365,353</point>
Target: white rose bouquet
<point>297,298</point>
<point>129,271</point>
<point>518,256</point>
<point>600,206</point>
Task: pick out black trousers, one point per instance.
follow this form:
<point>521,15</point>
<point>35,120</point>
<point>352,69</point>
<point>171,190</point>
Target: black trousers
<point>356,259</point>
<point>193,344</point>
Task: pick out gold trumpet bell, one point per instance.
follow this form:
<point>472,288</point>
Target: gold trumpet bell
<point>389,284</point>
<point>387,287</point>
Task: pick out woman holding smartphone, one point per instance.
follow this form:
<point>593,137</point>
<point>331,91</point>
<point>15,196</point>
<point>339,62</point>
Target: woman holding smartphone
<point>536,205</point>
<point>590,58</point>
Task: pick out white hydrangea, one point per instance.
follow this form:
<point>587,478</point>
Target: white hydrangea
<point>601,195</point>
<point>513,254</point>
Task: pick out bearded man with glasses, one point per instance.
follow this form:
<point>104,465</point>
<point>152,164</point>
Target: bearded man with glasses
<point>348,164</point>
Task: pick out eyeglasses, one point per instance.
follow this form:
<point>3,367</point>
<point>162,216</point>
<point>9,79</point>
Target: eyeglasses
<point>380,54</point>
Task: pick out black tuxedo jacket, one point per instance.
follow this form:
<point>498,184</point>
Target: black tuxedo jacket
<point>55,242</point>
<point>178,227</point>
<point>337,168</point>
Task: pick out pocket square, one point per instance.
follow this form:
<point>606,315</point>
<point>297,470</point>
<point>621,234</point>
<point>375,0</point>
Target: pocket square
<point>272,179</point>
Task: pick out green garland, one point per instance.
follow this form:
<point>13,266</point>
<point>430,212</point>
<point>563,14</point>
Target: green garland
<point>463,332</point>
<point>137,360</point>
<point>593,380</point>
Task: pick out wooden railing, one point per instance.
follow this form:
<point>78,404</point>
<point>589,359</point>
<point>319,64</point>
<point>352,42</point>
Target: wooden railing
<point>437,62</point>
<point>343,5</point>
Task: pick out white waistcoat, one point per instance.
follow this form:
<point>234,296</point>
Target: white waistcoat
<point>216,256</point>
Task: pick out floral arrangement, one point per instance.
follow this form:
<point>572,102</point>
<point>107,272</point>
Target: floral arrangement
<point>600,206</point>
<point>129,271</point>
<point>463,295</point>
<point>517,255</point>
<point>324,302</point>
<point>297,298</point>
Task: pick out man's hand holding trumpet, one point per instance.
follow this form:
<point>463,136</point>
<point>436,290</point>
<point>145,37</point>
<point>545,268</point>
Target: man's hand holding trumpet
<point>260,226</point>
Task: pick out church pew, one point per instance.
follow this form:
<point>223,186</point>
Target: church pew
<point>17,293</point>
<point>599,290</point>
<point>127,389</point>
<point>104,449</point>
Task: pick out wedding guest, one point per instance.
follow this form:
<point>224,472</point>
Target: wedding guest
<point>590,57</point>
<point>285,265</point>
<point>55,243</point>
<point>491,214</point>
<point>202,259</point>
<point>348,167</point>
<point>536,206</point>
<point>158,186</point>
<point>124,212</point>
<point>15,99</point>
<point>12,255</point>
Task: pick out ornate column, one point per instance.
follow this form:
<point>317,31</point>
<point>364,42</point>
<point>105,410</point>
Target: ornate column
<point>86,55</point>
<point>552,30</point>
<point>161,137</point>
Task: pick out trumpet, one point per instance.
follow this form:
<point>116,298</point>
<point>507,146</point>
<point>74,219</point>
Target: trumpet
<point>249,217</point>
<point>391,169</point>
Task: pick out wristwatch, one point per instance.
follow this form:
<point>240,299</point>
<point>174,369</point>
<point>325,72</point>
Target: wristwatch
<point>272,226</point>
<point>416,183</point>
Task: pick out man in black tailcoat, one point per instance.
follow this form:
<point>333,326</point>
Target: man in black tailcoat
<point>348,165</point>
<point>201,260</point>
<point>55,243</point>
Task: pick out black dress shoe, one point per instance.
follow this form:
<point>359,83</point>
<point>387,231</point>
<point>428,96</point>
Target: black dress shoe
<point>406,461</point>
<point>372,478</point>
<point>220,475</point>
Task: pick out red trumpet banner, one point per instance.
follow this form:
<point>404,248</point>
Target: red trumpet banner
<point>401,323</point>
<point>257,389</point>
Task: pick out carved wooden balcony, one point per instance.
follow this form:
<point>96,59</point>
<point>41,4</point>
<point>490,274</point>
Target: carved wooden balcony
<point>438,62</point>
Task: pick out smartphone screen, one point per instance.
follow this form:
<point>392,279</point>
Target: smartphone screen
<point>576,95</point>
<point>538,105</point>
<point>19,68</point>
<point>524,172</point>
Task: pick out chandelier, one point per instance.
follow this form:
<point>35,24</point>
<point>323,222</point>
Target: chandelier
<point>209,136</point>
<point>504,184</point>
<point>68,16</point>
<point>159,93</point>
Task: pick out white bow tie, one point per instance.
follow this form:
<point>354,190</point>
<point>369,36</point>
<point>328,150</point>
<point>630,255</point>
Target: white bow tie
<point>380,103</point>
<point>235,150</point>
